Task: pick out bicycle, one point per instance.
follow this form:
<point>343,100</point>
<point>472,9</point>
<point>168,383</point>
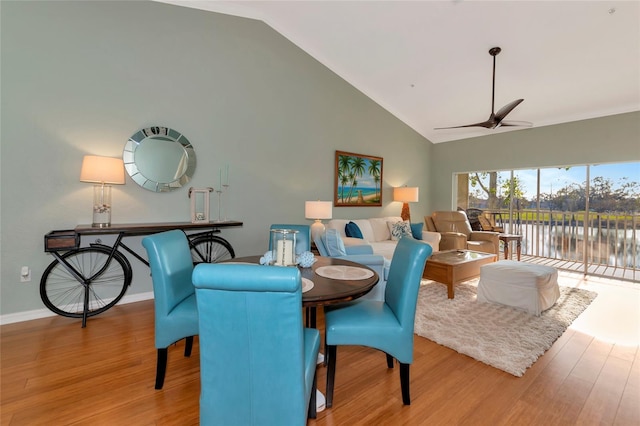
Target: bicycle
<point>85,281</point>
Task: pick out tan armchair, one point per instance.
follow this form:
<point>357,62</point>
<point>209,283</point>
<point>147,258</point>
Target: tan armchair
<point>456,232</point>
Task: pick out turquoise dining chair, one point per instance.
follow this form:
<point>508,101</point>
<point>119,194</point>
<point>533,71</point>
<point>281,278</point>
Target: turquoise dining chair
<point>384,325</point>
<point>176,313</point>
<point>257,361</point>
<point>303,237</point>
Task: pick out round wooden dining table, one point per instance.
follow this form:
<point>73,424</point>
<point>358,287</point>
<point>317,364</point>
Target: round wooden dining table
<point>327,291</point>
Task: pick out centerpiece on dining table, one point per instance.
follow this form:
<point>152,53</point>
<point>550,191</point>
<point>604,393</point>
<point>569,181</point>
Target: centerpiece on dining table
<point>283,250</point>
<point>283,247</point>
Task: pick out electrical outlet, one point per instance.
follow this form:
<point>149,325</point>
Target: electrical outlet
<point>25,274</point>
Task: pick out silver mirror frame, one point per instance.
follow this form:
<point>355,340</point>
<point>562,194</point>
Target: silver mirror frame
<point>160,134</point>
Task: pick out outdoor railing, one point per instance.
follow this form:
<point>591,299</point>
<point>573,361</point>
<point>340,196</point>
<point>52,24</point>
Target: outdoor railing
<point>594,238</point>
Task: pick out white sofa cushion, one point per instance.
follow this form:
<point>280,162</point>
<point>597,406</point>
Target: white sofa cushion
<point>365,228</point>
<point>380,229</point>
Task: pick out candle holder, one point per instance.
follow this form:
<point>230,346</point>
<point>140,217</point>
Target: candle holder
<point>283,247</point>
<point>219,192</point>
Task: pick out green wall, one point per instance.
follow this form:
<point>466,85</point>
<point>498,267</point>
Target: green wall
<point>81,77</point>
<point>602,140</point>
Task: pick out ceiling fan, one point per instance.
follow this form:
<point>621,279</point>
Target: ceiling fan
<point>495,120</point>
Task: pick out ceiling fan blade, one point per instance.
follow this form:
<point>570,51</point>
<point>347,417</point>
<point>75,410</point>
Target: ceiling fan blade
<point>495,119</point>
<point>505,110</point>
<point>486,124</point>
<point>516,124</point>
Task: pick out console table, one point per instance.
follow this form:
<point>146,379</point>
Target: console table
<point>86,281</point>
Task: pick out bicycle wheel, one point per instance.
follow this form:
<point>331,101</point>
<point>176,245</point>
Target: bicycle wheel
<point>63,294</point>
<point>210,249</point>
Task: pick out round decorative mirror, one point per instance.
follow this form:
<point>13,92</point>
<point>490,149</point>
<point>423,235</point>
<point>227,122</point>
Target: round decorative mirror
<point>159,159</point>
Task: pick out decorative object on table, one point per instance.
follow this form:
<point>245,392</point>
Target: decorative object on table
<point>306,259</point>
<point>317,210</point>
<point>250,374</point>
<point>358,180</point>
<point>283,247</point>
<point>386,326</point>
<point>159,159</point>
<point>267,258</point>
<point>199,204</point>
<point>222,189</point>
<point>406,195</point>
<point>500,336</point>
<point>303,237</point>
<point>103,171</point>
<point>176,313</point>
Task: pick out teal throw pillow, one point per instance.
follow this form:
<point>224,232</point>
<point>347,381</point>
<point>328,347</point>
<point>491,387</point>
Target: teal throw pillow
<point>416,230</point>
<point>352,230</point>
<point>333,243</point>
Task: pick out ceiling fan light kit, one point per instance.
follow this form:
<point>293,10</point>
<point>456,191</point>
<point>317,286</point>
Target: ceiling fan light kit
<point>495,120</point>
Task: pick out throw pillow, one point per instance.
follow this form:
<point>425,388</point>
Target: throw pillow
<point>333,243</point>
<point>416,230</point>
<point>352,230</point>
<point>399,230</point>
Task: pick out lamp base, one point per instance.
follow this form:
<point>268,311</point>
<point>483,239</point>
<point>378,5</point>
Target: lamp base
<point>101,206</point>
<point>317,229</point>
<point>405,215</point>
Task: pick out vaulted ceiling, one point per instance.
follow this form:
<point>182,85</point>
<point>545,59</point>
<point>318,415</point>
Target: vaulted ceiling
<point>427,62</point>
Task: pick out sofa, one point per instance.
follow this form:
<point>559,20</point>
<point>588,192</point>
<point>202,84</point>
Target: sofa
<point>456,233</point>
<point>375,248</point>
<point>377,233</point>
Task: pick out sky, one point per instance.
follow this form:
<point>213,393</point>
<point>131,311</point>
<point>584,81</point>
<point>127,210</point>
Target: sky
<point>553,179</point>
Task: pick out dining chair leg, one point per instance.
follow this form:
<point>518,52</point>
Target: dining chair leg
<point>389,361</point>
<point>331,373</point>
<point>188,346</point>
<point>404,383</point>
<point>312,401</point>
<point>161,367</point>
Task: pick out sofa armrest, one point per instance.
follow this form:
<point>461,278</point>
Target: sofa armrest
<point>453,241</point>
<point>351,241</point>
<point>433,239</point>
<point>362,249</point>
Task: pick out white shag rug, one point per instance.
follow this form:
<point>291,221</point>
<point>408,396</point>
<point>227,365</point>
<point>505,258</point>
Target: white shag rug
<point>497,335</point>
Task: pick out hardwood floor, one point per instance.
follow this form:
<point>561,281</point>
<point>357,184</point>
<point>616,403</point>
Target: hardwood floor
<point>55,372</point>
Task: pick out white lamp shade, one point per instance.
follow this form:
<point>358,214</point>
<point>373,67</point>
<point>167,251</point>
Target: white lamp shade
<point>102,170</point>
<point>318,209</point>
<point>406,194</point>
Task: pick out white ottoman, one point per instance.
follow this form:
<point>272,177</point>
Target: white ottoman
<point>533,288</point>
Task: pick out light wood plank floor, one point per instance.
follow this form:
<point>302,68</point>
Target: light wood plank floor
<point>54,372</point>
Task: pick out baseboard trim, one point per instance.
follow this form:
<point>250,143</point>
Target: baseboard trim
<point>43,313</point>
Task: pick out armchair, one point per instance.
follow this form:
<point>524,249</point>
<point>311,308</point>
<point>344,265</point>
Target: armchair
<point>257,362</point>
<point>176,313</point>
<point>456,232</point>
<point>328,244</point>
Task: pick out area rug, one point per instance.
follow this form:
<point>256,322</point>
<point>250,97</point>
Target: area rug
<point>500,336</point>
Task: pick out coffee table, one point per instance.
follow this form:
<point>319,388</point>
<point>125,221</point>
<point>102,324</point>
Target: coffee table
<point>451,267</point>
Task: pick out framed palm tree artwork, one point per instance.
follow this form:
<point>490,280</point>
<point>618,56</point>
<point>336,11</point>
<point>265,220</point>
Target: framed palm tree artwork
<point>358,180</point>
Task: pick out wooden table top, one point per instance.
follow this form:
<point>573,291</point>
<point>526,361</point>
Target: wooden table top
<point>327,291</point>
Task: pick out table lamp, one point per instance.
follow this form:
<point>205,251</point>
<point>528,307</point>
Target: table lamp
<point>406,195</point>
<point>317,210</point>
<point>103,172</point>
